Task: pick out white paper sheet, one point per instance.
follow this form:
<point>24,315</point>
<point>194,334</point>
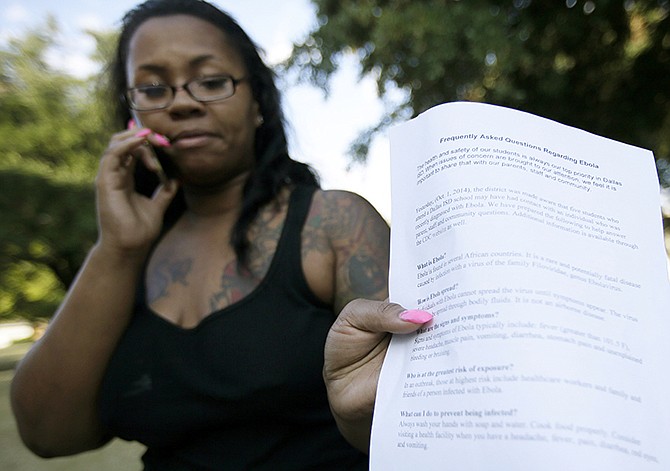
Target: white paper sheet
<point>538,248</point>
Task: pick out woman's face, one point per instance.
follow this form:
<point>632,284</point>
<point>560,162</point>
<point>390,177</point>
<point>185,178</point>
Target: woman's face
<point>212,142</point>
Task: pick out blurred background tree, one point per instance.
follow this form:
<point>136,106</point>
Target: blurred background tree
<point>600,65</point>
<point>51,136</point>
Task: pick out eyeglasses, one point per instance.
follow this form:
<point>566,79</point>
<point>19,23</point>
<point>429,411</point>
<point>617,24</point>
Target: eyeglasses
<point>159,96</point>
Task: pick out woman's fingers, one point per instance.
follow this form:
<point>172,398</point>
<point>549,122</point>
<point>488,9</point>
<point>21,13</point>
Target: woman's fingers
<point>131,145</point>
<point>359,337</point>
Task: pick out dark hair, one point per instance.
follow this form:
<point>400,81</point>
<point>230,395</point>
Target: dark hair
<point>274,168</point>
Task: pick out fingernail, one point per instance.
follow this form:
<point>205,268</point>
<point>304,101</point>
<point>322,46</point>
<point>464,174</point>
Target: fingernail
<point>143,133</point>
<point>131,124</point>
<point>161,140</point>
<point>416,316</point>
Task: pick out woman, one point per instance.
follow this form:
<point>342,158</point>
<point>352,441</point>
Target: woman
<point>198,322</point>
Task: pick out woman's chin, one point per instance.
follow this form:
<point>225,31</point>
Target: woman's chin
<point>206,183</point>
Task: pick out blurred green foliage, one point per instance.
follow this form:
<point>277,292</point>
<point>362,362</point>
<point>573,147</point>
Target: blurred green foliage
<point>600,65</point>
<point>52,133</point>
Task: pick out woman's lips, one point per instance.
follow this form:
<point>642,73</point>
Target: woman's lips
<point>191,139</point>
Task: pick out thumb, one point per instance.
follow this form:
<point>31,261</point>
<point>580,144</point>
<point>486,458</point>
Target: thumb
<point>382,316</point>
<point>165,193</point>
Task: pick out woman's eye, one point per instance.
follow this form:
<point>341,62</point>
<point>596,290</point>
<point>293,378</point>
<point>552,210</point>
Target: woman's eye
<point>154,92</point>
<point>214,83</point>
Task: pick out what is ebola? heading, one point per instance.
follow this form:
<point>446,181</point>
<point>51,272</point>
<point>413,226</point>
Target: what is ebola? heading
<point>491,137</point>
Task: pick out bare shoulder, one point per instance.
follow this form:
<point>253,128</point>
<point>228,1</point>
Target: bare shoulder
<point>342,213</point>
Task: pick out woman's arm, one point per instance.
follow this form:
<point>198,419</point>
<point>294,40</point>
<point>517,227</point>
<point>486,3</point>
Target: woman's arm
<point>55,388</point>
<point>358,239</point>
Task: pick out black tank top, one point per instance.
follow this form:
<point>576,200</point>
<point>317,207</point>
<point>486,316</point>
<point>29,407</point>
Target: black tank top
<point>243,389</point>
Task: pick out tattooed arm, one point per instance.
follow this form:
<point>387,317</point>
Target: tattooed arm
<point>347,236</point>
<point>360,239</point>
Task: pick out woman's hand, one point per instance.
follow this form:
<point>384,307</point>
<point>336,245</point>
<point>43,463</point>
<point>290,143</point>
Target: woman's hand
<point>129,221</point>
<point>354,353</point>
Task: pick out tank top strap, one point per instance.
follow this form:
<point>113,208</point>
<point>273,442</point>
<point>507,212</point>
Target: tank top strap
<point>287,270</point>
<point>300,202</point>
<point>288,253</point>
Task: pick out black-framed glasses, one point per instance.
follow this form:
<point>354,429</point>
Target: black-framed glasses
<point>157,96</point>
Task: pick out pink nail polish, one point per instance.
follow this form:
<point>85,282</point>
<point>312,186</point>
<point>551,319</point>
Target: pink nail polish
<point>161,140</point>
<point>143,133</point>
<point>416,316</point>
<point>131,124</point>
